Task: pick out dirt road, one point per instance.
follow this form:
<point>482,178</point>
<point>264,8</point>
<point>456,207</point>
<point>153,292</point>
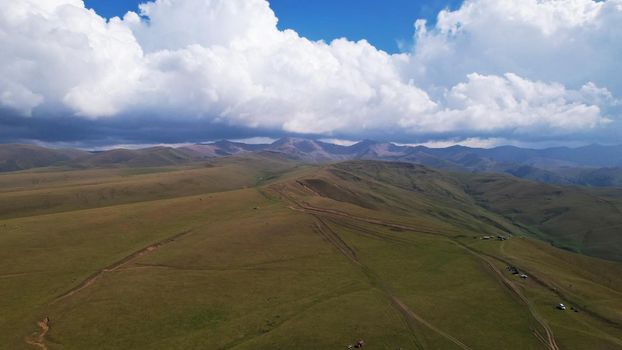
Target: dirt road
<point>548,338</point>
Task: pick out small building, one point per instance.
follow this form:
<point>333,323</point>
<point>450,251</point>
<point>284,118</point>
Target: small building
<point>523,276</point>
<point>561,306</point>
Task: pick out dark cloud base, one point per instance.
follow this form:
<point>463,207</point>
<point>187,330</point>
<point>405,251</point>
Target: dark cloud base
<point>120,130</point>
<point>148,129</point>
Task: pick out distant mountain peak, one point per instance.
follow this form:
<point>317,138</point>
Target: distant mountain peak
<point>556,165</point>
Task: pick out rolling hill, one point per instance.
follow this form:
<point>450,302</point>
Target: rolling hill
<point>15,157</point>
<point>572,218</point>
<point>146,157</point>
<point>595,166</point>
<point>265,251</point>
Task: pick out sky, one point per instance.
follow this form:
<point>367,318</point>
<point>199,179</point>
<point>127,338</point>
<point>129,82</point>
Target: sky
<point>388,24</point>
<point>478,72</point>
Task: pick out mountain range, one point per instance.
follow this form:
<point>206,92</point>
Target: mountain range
<point>593,165</point>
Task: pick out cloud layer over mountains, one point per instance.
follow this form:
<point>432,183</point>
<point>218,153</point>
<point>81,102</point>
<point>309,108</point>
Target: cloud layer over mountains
<point>518,69</point>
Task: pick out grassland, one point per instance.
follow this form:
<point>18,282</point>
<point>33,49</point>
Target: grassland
<point>573,218</point>
<point>262,252</point>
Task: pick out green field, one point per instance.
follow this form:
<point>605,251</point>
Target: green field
<point>263,252</point>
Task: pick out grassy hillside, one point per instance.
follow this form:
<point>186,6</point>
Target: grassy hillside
<point>574,218</point>
<point>261,252</point>
<point>434,203</point>
<point>49,191</point>
<point>593,166</point>
<point>14,157</point>
<point>147,157</point>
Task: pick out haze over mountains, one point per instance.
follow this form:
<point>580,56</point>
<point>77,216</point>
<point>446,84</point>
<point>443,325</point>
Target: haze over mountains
<point>593,165</point>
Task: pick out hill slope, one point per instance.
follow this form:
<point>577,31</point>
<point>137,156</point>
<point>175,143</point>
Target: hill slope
<point>573,218</point>
<point>264,252</point>
<point>597,166</point>
<point>570,217</point>
<point>19,157</point>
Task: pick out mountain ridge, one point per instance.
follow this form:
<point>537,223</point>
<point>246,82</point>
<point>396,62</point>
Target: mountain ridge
<point>591,165</point>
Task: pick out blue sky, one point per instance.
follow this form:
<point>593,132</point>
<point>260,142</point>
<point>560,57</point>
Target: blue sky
<point>383,23</point>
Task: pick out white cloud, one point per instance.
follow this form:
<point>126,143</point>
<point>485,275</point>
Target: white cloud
<point>339,142</point>
<point>255,140</point>
<point>225,61</point>
<point>477,142</point>
<point>474,142</point>
<point>178,24</point>
<point>58,53</point>
<point>15,96</point>
<point>566,41</point>
<point>509,102</point>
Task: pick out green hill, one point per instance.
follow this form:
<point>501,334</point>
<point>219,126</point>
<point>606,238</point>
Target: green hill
<point>263,252</point>
<point>15,157</point>
<point>574,218</point>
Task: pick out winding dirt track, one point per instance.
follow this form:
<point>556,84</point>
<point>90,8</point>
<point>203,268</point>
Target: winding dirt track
<point>417,317</point>
<point>333,238</point>
<point>38,338</point>
<point>116,265</point>
<point>548,338</point>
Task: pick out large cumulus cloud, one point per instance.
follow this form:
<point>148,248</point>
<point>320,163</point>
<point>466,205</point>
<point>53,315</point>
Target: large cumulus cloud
<point>503,67</point>
<point>566,41</point>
